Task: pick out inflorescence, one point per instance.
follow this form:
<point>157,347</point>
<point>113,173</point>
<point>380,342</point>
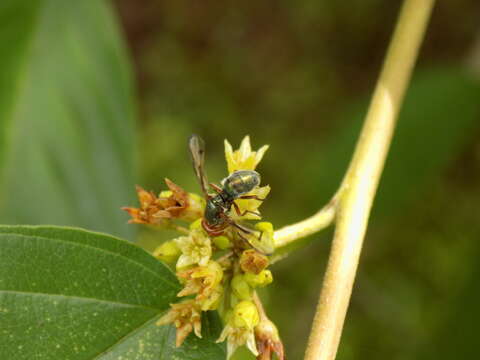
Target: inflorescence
<point>217,272</point>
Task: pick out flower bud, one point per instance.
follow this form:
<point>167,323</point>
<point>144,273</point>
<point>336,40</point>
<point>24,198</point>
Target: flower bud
<point>195,209</point>
<point>240,287</point>
<point>264,226</point>
<point>222,242</point>
<point>197,224</point>
<point>262,279</point>
<point>167,252</point>
<point>245,315</point>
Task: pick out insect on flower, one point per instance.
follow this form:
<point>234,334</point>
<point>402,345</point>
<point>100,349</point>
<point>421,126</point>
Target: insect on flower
<point>237,185</point>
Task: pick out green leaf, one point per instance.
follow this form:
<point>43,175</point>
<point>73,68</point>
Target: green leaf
<point>66,110</point>
<point>71,294</point>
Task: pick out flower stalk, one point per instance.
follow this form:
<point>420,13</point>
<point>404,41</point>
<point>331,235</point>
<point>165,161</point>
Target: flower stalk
<point>358,188</point>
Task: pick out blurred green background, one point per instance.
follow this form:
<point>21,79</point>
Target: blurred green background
<point>96,97</point>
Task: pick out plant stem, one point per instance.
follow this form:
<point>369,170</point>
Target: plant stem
<point>317,222</point>
<point>360,183</point>
<point>258,303</point>
<point>179,228</point>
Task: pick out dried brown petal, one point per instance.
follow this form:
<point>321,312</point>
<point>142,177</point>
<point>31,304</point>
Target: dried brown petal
<point>186,317</point>
<point>268,341</point>
<point>155,210</point>
<point>252,261</point>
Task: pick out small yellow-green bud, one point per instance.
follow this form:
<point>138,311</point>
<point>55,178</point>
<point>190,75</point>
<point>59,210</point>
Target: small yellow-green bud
<point>197,224</point>
<point>240,287</point>
<point>167,252</point>
<point>222,242</point>
<point>264,226</point>
<point>196,207</point>
<point>245,315</point>
<point>165,194</point>
<point>262,279</point>
<point>213,271</point>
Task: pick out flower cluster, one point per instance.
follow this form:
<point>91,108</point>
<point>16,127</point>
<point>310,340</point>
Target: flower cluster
<point>218,272</point>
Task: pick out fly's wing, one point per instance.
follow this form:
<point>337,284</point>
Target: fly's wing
<point>197,152</point>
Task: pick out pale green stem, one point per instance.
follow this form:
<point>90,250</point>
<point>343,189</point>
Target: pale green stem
<point>311,225</point>
<point>360,183</point>
<point>180,229</point>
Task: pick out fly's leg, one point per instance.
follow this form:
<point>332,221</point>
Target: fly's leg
<point>239,213</point>
<point>244,230</point>
<point>215,187</point>
<point>255,197</point>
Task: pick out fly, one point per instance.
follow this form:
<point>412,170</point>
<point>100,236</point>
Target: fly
<point>237,185</point>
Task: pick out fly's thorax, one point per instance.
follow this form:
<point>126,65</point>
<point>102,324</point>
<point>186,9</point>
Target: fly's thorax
<point>240,182</point>
<point>214,207</point>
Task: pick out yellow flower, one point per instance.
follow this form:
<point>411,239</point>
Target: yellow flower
<point>205,282</point>
<point>239,329</point>
<point>196,249</point>
<point>186,316</point>
<point>251,205</point>
<point>246,159</point>
<point>243,158</point>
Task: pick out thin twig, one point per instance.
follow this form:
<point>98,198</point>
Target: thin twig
<point>311,225</point>
<point>258,303</point>
<point>360,183</point>
<point>179,228</point>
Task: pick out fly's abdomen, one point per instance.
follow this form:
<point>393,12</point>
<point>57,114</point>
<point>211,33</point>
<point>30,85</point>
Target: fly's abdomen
<point>241,182</point>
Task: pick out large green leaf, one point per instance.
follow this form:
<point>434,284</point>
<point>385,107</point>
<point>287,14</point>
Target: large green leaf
<point>71,294</point>
<point>66,116</point>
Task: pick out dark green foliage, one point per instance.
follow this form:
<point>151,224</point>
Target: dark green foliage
<point>71,294</point>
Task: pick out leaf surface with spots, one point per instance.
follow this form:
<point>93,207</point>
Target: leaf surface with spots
<point>74,295</point>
